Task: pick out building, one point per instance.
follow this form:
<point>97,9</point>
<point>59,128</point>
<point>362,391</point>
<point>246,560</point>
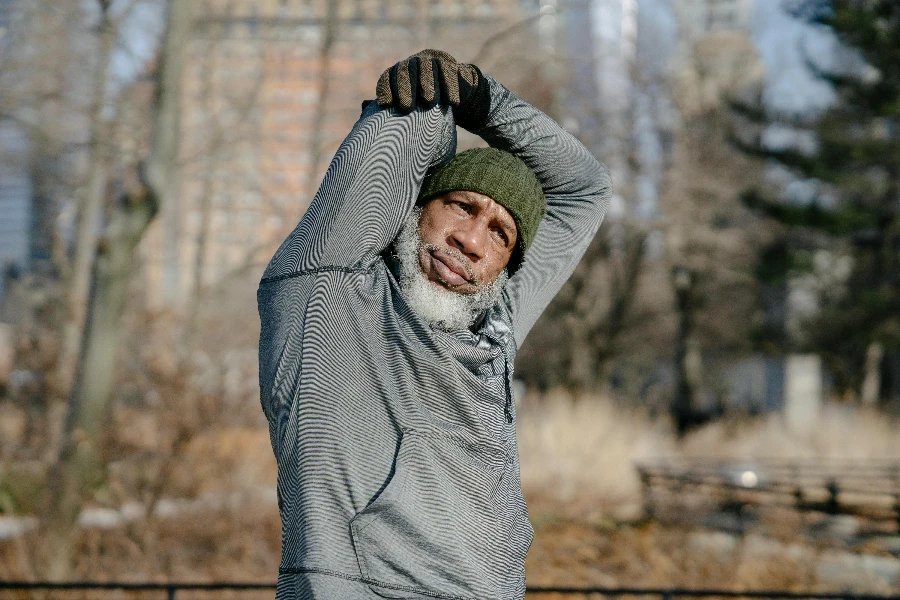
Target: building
<point>44,66</point>
<point>15,183</point>
<point>15,201</point>
<point>270,89</point>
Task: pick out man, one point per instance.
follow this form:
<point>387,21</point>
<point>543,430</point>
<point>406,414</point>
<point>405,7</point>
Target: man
<point>390,320</point>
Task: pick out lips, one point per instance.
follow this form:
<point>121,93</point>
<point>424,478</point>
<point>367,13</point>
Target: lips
<point>450,270</point>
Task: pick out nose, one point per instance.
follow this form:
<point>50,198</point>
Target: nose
<point>469,238</point>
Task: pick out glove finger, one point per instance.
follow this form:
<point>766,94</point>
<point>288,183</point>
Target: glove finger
<point>412,71</point>
<point>427,85</point>
<point>468,81</point>
<point>449,83</point>
<point>395,94</point>
<point>400,88</point>
<point>404,88</point>
<point>475,99</point>
<point>383,89</point>
<point>436,82</point>
<point>469,73</point>
<point>438,54</point>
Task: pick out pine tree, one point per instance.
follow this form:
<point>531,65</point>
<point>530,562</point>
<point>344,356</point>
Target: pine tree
<point>856,211</point>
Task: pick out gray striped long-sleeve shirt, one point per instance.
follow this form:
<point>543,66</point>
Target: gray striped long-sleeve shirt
<point>398,472</point>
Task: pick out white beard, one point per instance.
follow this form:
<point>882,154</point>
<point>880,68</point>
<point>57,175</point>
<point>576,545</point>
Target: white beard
<point>441,308</point>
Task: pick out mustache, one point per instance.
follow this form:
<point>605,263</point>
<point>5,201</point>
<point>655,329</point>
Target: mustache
<point>459,257</point>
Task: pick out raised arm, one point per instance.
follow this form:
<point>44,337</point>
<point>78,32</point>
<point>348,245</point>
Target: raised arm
<point>576,185</point>
<point>368,190</point>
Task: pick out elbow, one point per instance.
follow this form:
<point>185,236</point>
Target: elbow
<point>598,185</point>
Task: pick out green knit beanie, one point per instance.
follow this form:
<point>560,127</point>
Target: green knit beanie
<point>501,176</point>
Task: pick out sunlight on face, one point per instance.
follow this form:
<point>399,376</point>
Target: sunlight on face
<point>441,307</point>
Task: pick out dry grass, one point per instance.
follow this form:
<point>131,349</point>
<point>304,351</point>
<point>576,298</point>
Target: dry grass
<point>841,432</point>
<point>584,452</point>
<point>584,496</point>
<point>587,449</point>
<point>577,471</point>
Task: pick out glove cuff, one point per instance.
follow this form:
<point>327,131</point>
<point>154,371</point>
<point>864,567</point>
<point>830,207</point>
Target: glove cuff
<point>474,103</point>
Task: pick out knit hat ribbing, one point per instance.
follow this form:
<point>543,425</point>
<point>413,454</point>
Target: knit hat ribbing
<point>499,175</point>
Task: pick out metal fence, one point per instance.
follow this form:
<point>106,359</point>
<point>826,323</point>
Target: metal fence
<point>866,489</point>
<point>84,590</point>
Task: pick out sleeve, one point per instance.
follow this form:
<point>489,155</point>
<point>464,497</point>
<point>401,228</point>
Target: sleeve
<point>577,187</point>
<point>370,186</point>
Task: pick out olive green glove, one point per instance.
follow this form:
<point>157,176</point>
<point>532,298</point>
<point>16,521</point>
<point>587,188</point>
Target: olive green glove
<point>433,77</point>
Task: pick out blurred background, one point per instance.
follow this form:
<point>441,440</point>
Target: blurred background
<point>712,399</point>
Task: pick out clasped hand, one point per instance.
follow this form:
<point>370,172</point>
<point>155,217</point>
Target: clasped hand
<point>433,77</point>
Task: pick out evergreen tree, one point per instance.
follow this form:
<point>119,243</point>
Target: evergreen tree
<point>856,211</point>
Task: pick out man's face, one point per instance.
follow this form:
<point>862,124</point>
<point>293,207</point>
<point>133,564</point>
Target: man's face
<point>467,240</point>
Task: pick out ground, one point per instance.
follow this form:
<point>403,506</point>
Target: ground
<point>217,519</point>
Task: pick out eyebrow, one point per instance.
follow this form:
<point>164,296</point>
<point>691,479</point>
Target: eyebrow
<point>505,220</point>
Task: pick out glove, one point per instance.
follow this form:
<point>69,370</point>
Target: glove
<point>433,77</point>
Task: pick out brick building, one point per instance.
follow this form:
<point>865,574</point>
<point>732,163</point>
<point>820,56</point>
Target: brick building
<point>257,134</point>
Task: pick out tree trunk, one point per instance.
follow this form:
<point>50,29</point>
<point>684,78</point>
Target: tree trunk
<point>624,291</point>
<point>890,380</point>
<point>871,385</point>
<point>90,203</point>
<point>162,165</point>
<point>79,468</point>
<point>683,402</point>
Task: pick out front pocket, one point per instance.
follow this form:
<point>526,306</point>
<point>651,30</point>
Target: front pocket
<point>435,529</point>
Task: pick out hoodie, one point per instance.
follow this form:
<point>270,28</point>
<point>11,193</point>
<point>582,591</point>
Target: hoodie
<point>398,470</point>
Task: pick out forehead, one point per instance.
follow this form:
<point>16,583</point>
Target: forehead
<point>494,208</point>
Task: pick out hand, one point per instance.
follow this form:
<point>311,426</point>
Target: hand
<point>433,77</point>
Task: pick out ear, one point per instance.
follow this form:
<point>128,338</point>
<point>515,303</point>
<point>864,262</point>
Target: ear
<point>515,259</point>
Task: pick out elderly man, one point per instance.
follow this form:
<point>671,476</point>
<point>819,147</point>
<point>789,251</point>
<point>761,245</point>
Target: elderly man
<point>390,320</point>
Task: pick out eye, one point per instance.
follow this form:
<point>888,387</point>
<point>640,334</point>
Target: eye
<point>462,206</point>
<point>501,234</point>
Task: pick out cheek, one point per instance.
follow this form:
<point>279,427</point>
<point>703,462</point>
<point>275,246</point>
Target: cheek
<point>432,229</point>
<point>492,267</point>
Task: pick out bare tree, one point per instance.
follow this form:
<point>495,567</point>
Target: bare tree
<point>90,199</point>
<point>80,465</point>
<point>709,249</point>
<point>593,312</point>
<point>225,124</point>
